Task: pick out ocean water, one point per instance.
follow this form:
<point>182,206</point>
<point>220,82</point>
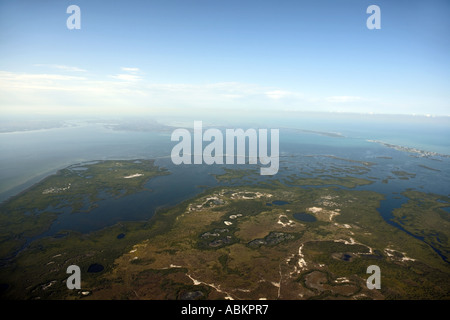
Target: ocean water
<point>27,157</point>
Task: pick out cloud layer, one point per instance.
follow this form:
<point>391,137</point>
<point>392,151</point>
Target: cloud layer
<point>72,90</point>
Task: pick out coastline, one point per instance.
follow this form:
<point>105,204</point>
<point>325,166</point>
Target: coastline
<point>422,153</point>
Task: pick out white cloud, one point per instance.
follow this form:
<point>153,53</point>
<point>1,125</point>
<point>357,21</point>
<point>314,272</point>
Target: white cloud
<point>343,99</point>
<point>128,92</point>
<point>42,81</point>
<point>277,94</point>
<point>126,77</point>
<point>129,76</point>
<point>61,67</point>
<point>131,70</point>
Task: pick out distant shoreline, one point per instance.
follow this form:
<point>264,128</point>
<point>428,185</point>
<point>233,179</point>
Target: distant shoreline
<point>422,153</point>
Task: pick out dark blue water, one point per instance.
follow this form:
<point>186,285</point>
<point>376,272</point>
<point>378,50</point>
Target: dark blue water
<point>280,202</point>
<point>95,268</point>
<point>346,257</point>
<point>305,217</point>
<point>3,287</point>
<point>183,183</point>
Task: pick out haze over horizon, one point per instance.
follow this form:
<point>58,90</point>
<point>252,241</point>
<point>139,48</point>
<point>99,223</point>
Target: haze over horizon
<point>224,57</point>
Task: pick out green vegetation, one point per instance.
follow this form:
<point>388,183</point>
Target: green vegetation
<point>365,163</point>
<point>175,258</point>
<point>347,181</point>
<point>429,168</point>
<point>234,174</point>
<point>403,175</point>
<point>228,243</point>
<point>424,217</point>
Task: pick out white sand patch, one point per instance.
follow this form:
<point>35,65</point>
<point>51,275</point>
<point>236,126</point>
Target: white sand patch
<point>301,260</point>
<point>56,190</point>
<point>256,195</point>
<point>228,223</point>
<point>342,280</point>
<point>314,209</point>
<point>288,261</point>
<point>217,288</point>
<point>48,285</point>
<point>133,176</point>
<point>405,258</point>
<point>216,201</point>
<point>290,223</point>
<point>196,282</point>
<point>346,226</point>
<point>262,299</point>
<point>352,241</point>
<point>326,201</point>
<point>302,263</point>
<point>390,253</point>
<point>333,214</point>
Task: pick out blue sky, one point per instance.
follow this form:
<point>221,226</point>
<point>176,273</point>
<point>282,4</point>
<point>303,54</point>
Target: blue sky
<point>197,56</point>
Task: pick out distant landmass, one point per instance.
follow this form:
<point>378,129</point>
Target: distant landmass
<point>421,153</point>
<point>139,125</point>
<point>30,125</point>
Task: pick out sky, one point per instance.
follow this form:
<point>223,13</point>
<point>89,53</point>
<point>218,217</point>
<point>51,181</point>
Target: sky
<point>224,57</point>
